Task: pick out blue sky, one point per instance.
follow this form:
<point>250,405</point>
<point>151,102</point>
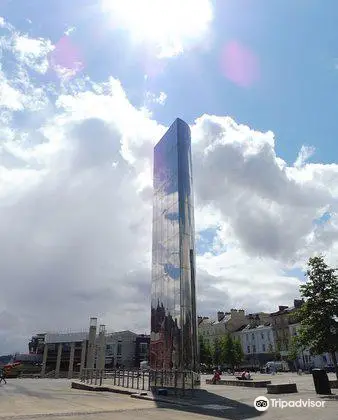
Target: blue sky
<point>295,44</point>
<point>88,87</point>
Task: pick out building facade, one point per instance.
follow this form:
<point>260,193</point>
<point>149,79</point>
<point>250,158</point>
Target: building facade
<point>225,323</point>
<point>173,338</point>
<point>142,345</point>
<point>64,354</point>
<point>257,342</point>
<point>280,323</point>
<point>305,360</point>
<point>120,349</point>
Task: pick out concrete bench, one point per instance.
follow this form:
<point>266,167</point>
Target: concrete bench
<point>246,383</point>
<point>282,388</point>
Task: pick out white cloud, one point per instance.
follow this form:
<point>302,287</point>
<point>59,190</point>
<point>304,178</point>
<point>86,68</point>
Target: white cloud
<point>33,52</point>
<point>70,30</point>
<point>152,98</point>
<point>269,208</point>
<point>305,153</point>
<point>171,27</point>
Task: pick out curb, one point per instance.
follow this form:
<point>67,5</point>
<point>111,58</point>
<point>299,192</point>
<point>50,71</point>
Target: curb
<point>140,396</point>
<point>155,399</point>
<point>89,387</point>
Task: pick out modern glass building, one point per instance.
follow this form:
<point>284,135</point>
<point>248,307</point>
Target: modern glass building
<point>173,340</point>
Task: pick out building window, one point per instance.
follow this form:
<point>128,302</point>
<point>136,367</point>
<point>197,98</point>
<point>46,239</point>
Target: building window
<point>262,335</point>
<point>254,349</point>
<point>263,347</point>
<point>248,349</point>
<point>253,336</point>
<point>119,349</point>
<point>143,348</point>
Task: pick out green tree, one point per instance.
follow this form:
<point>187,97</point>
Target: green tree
<point>238,353</point>
<point>205,351</point>
<point>319,313</point>
<point>295,348</point>
<point>217,352</point>
<point>232,353</point>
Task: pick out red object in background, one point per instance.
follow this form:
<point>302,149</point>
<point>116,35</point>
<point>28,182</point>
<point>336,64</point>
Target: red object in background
<point>10,366</point>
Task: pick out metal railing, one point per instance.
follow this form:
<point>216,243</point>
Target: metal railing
<point>177,381</point>
<point>92,376</point>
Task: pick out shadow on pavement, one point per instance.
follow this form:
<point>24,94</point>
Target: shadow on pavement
<point>209,404</point>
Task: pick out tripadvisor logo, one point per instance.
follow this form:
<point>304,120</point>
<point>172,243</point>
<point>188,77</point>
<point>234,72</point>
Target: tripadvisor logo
<point>262,403</point>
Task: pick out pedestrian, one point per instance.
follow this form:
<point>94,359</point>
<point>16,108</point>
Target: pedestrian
<point>2,375</point>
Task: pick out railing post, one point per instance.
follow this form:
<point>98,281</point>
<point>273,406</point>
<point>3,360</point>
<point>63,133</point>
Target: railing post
<point>183,384</point>
<point>143,380</point>
<point>123,378</point>
<point>175,381</point>
<point>138,379</point>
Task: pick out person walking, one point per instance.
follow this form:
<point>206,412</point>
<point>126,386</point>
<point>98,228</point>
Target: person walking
<point>2,375</point>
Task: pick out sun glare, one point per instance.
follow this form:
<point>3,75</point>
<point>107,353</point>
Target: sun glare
<point>171,26</point>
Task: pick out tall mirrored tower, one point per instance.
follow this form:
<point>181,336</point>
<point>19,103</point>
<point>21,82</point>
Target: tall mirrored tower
<point>173,342</point>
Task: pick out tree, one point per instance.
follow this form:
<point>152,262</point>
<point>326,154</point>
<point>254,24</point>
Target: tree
<point>232,353</point>
<point>319,313</point>
<point>205,352</point>
<point>239,354</point>
<point>217,352</point>
<point>295,348</point>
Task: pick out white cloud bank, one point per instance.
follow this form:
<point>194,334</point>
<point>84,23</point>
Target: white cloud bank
<point>75,209</point>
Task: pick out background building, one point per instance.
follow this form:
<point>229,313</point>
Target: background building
<point>280,323</point>
<point>124,349</point>
<point>173,295</point>
<point>257,342</point>
<point>121,349</point>
<point>305,360</point>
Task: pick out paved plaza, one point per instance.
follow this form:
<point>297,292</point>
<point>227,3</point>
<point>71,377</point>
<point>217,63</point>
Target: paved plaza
<point>53,398</point>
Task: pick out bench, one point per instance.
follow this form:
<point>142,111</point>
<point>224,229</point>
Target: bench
<point>246,383</point>
<point>282,388</point>
<point>243,379</point>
